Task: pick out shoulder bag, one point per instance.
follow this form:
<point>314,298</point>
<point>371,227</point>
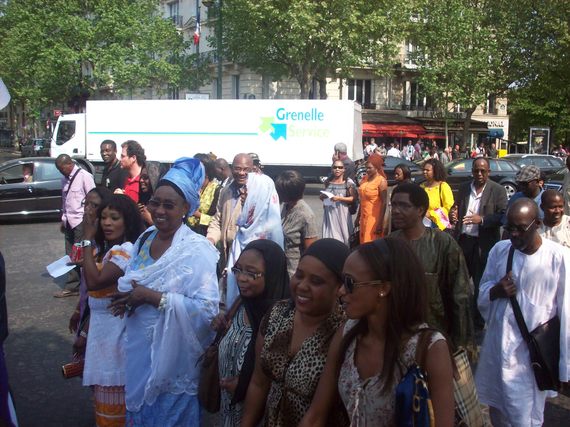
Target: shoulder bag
<point>543,343</point>
<point>209,393</point>
<point>413,402</point>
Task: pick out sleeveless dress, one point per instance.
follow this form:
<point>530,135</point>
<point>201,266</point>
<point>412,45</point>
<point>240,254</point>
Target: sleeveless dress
<point>231,355</point>
<point>294,378</point>
<point>337,220</point>
<point>371,206</point>
<point>364,402</point>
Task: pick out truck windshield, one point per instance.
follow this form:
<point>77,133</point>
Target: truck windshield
<point>65,132</point>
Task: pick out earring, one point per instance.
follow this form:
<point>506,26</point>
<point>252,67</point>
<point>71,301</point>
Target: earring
<point>381,294</point>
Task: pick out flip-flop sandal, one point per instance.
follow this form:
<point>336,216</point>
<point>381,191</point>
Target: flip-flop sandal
<point>65,293</point>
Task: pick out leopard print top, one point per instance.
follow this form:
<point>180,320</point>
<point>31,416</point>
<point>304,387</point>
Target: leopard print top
<point>294,378</point>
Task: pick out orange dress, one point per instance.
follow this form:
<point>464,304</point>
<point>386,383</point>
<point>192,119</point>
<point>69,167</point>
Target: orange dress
<point>370,206</point>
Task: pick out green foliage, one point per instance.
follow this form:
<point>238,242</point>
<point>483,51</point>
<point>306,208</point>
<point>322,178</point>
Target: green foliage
<point>306,39</point>
<point>57,50</point>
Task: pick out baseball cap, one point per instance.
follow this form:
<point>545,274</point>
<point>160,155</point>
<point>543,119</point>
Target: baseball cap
<point>255,158</point>
<point>340,147</point>
<point>528,173</point>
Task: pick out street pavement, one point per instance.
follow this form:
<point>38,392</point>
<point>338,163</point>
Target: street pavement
<point>39,342</point>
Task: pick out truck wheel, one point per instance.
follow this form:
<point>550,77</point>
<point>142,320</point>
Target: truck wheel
<point>510,189</point>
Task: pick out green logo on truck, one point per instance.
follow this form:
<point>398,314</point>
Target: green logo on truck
<point>293,125</point>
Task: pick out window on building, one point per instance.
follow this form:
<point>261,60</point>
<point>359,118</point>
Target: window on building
<point>215,88</point>
<point>235,86</point>
<point>491,104</point>
<point>360,91</point>
<point>411,52</point>
<point>174,13</point>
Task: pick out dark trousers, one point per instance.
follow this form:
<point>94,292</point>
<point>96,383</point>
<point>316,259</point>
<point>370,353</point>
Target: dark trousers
<point>476,265</point>
<point>72,236</point>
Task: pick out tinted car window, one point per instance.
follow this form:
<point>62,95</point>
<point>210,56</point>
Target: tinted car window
<point>14,174</point>
<point>556,162</point>
<point>505,166</point>
<point>48,172</point>
<point>461,166</point>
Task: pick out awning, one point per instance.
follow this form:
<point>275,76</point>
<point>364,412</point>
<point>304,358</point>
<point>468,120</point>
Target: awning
<point>433,136</point>
<point>496,133</point>
<point>398,130</point>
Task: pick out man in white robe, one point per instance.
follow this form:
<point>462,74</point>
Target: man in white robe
<point>540,270</point>
<point>556,225</point>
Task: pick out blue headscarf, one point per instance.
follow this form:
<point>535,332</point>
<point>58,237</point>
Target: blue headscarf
<point>186,176</point>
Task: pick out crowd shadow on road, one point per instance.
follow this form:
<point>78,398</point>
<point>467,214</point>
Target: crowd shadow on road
<point>42,396</point>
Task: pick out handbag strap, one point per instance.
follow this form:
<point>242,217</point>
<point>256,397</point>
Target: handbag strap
<point>421,347</point>
<point>229,316</point>
<point>515,304</point>
<point>71,180</point>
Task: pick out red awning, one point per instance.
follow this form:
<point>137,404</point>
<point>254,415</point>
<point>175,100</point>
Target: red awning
<point>401,130</point>
<point>433,136</point>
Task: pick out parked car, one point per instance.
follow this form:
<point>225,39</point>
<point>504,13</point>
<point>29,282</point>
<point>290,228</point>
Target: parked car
<point>548,164</point>
<point>390,164</point>
<point>30,187</point>
<point>502,172</point>
<point>35,147</point>
<point>556,180</point>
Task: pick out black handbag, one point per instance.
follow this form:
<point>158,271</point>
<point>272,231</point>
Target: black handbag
<point>543,343</point>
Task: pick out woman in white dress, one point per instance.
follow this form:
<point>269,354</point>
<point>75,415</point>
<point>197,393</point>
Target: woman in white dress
<point>118,227</point>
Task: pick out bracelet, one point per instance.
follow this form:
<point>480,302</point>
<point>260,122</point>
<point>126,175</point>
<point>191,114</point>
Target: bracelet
<point>83,334</point>
<point>162,303</point>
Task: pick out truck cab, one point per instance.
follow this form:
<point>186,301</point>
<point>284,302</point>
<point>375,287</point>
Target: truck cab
<point>69,136</point>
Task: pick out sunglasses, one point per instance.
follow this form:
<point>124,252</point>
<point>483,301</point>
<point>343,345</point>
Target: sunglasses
<point>518,228</point>
<point>155,204</point>
<point>250,275</point>
<point>338,167</point>
<point>350,285</point>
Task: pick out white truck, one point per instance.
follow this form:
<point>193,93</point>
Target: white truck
<point>285,134</point>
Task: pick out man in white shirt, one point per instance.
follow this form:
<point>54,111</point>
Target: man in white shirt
<point>394,152</point>
<point>409,151</point>
<point>540,270</point>
<point>556,225</point>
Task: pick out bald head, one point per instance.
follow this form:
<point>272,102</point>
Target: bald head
<point>552,204</point>
<point>222,169</point>
<point>64,164</point>
<point>522,225</point>
<point>525,208</point>
<point>241,166</point>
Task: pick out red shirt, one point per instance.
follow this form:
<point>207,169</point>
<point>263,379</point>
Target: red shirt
<point>132,187</point>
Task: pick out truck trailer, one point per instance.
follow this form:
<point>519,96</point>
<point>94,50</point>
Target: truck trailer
<point>285,134</point>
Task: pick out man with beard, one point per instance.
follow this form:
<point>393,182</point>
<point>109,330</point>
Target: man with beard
<point>556,225</point>
<point>538,276</point>
<point>113,175</point>
<point>447,278</point>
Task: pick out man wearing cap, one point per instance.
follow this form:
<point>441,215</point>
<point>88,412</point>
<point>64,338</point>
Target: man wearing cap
<point>257,168</point>
<point>529,181</point>
<point>340,153</point>
<point>556,225</point>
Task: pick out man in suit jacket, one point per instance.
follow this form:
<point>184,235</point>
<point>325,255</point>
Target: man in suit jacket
<point>478,214</point>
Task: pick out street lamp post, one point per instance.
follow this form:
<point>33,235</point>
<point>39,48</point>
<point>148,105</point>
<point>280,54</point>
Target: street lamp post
<point>219,5</point>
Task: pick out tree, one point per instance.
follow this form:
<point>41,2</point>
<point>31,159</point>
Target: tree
<point>308,40</point>
<point>57,51</point>
<point>461,57</point>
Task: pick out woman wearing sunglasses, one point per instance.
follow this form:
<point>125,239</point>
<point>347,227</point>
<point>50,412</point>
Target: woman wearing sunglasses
<point>337,220</point>
<point>262,278</point>
<point>386,303</point>
<point>170,295</point>
<point>293,340</point>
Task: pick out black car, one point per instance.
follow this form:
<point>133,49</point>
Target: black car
<point>556,180</point>
<point>35,147</point>
<point>30,187</point>
<point>502,172</point>
<point>547,164</point>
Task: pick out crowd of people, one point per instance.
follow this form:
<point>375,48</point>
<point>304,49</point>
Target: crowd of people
<point>313,331</point>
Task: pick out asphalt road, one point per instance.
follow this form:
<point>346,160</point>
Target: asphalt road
<point>39,342</point>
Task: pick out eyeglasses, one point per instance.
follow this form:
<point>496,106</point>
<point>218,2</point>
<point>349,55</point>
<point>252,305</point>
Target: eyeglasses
<point>518,228</point>
<point>350,285</point>
<point>155,204</point>
<point>250,275</point>
<point>338,167</point>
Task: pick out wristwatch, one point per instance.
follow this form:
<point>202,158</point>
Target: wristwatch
<point>86,243</point>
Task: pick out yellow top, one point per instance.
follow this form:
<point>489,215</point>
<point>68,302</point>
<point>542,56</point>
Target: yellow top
<point>440,201</point>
